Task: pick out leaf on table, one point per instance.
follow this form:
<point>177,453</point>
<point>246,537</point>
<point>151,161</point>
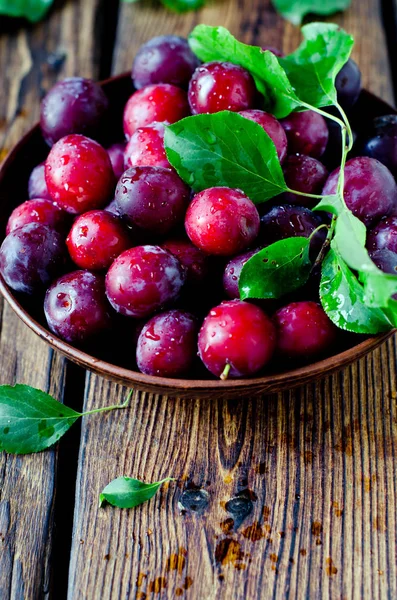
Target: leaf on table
<point>31,420</point>
<point>225,149</point>
<point>125,492</point>
<point>181,6</point>
<point>342,297</point>
<point>276,270</point>
<point>217,43</point>
<point>295,10</point>
<point>34,10</point>
<point>314,65</point>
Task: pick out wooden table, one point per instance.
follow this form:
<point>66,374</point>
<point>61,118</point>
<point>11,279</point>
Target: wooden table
<point>285,496</point>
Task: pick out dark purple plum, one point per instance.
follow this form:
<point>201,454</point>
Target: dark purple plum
<point>164,59</point>
<point>382,144</point>
<point>143,280</point>
<point>348,84</point>
<point>73,105</point>
<point>370,189</point>
<point>167,345</point>
<point>152,198</point>
<point>385,260</point>
<point>383,235</point>
<point>307,133</point>
<point>76,307</point>
<point>232,272</point>
<point>31,256</point>
<point>37,187</point>
<point>303,174</point>
<point>290,221</point>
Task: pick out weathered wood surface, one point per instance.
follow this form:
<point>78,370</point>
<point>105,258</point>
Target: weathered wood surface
<point>285,496</point>
<point>31,59</point>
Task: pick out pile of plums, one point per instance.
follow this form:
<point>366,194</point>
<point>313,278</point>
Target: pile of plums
<point>112,234</point>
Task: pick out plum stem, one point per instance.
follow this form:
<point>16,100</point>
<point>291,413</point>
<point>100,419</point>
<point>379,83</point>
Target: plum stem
<point>225,372</point>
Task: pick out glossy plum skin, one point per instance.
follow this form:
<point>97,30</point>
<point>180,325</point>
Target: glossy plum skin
<point>348,84</point>
<point>143,280</point>
<point>386,261</point>
<point>76,307</point>
<point>222,221</point>
<point>217,86</point>
<point>370,189</point>
<point>272,128</point>
<point>152,198</point>
<point>307,133</point>
<point>303,174</point>
<point>164,59</point>
<point>146,147</point>
<point>116,155</point>
<point>383,235</point>
<point>167,345</point>
<point>382,144</point>
<point>79,174</point>
<point>31,256</point>
<point>232,272</point>
<point>161,102</point>
<point>238,334</point>
<point>96,239</point>
<point>37,210</point>
<point>303,330</point>
<point>289,221</point>
<point>74,105</point>
<point>37,187</point>
<point>193,260</point>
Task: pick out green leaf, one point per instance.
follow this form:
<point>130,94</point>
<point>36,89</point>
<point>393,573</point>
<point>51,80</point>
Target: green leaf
<point>181,6</point>
<point>342,297</point>
<point>217,43</point>
<point>313,67</point>
<point>34,10</point>
<point>349,242</point>
<point>295,10</point>
<point>125,492</point>
<point>276,270</point>
<point>31,420</point>
<point>225,149</point>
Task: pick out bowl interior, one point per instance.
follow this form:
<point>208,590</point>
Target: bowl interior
<point>113,359</point>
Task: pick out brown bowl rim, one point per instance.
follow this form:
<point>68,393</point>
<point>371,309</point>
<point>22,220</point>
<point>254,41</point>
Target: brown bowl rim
<point>171,385</point>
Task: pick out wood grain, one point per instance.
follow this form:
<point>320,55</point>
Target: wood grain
<point>291,495</point>
<point>31,59</point>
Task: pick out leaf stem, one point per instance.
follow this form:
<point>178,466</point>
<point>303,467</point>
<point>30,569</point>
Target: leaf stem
<point>326,244</point>
<point>315,196</point>
<point>324,114</point>
<point>348,127</point>
<point>107,408</point>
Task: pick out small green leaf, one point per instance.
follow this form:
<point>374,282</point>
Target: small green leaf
<point>295,10</point>
<point>31,420</point>
<point>342,297</point>
<point>217,43</point>
<point>313,67</point>
<point>125,492</point>
<point>181,6</point>
<point>34,10</point>
<point>225,149</point>
<point>276,270</point>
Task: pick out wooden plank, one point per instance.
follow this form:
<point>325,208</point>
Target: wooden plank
<point>31,59</point>
<point>291,495</point>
